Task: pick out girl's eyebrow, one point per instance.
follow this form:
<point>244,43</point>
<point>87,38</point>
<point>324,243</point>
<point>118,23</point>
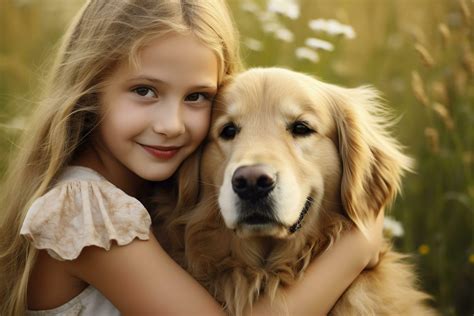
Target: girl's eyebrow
<point>207,86</point>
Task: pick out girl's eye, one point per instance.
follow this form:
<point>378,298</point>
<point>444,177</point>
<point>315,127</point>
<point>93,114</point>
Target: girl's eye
<point>197,97</point>
<point>300,128</point>
<point>145,92</point>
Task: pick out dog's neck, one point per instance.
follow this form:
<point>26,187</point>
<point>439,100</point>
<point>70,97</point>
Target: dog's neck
<point>266,245</point>
<point>257,249</point>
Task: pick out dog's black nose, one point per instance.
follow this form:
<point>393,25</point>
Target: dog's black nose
<point>252,182</point>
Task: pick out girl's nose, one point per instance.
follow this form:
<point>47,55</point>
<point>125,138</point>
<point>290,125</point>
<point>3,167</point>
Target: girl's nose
<point>168,120</point>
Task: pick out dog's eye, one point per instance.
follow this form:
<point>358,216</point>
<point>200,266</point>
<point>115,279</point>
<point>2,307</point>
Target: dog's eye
<point>229,131</point>
<point>299,128</point>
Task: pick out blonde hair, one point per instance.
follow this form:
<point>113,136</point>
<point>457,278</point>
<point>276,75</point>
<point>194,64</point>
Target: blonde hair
<point>103,34</point>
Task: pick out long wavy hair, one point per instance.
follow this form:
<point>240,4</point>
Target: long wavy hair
<point>103,34</point>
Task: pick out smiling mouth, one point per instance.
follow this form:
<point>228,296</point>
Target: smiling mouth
<point>161,152</point>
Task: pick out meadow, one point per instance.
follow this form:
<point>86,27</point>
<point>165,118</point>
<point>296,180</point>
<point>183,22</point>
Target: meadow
<point>418,53</point>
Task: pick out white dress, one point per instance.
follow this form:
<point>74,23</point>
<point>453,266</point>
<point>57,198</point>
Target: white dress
<point>83,209</point>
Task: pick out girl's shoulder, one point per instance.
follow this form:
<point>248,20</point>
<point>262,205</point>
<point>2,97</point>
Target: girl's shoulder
<point>84,209</point>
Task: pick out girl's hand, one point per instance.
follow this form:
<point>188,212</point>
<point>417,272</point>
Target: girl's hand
<point>375,240</point>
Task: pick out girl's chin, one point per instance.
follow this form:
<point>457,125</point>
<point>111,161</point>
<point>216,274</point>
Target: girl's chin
<point>162,173</point>
<point>157,177</point>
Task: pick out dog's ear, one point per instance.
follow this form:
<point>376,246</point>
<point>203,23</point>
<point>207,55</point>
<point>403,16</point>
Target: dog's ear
<point>372,160</point>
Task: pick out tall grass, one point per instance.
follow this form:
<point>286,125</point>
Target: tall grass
<point>418,53</point>
<point>443,86</point>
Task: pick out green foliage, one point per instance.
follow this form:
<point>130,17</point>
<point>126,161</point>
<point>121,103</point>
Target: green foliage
<point>418,53</point>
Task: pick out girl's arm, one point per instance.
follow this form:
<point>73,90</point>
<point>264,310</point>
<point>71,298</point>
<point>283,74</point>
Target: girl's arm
<point>140,278</point>
<point>330,274</point>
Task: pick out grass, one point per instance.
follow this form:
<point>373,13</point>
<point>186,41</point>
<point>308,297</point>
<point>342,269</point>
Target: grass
<point>418,53</point>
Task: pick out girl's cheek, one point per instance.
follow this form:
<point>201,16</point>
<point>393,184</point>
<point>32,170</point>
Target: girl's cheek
<point>199,123</point>
<point>124,117</point>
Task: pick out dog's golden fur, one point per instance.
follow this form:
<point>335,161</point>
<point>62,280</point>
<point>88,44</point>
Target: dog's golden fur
<point>343,159</point>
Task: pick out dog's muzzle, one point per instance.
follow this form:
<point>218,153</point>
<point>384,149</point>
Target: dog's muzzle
<point>253,185</point>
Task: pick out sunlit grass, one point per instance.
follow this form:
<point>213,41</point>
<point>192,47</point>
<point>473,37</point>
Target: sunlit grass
<point>419,54</point>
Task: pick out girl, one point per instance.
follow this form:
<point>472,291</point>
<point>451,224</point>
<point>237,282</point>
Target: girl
<point>128,104</point>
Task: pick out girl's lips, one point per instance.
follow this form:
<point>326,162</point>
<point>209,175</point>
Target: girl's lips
<point>161,152</point>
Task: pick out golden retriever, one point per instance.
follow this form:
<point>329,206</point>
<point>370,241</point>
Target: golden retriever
<point>290,163</point>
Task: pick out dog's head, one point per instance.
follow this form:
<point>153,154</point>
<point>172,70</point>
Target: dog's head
<point>283,146</point>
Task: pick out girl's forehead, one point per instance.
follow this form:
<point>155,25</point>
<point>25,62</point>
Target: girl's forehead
<point>174,58</point>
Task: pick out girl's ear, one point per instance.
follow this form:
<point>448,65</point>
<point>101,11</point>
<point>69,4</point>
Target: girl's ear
<point>372,160</point>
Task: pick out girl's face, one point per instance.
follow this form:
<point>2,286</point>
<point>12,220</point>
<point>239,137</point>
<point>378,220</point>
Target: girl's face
<point>155,116</point>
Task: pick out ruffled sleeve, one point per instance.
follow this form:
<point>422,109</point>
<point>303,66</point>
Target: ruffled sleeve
<point>82,213</point>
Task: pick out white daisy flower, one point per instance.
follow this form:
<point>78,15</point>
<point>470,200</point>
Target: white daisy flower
<point>284,34</point>
<point>319,44</point>
<point>332,27</point>
<point>253,44</point>
<point>307,53</point>
<point>393,227</point>
<point>289,8</point>
<point>249,6</point>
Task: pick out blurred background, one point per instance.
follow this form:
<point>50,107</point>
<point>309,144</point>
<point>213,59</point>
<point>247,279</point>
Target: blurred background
<point>418,53</point>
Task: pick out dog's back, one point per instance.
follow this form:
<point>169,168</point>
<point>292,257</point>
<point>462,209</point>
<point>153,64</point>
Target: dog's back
<point>390,288</point>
